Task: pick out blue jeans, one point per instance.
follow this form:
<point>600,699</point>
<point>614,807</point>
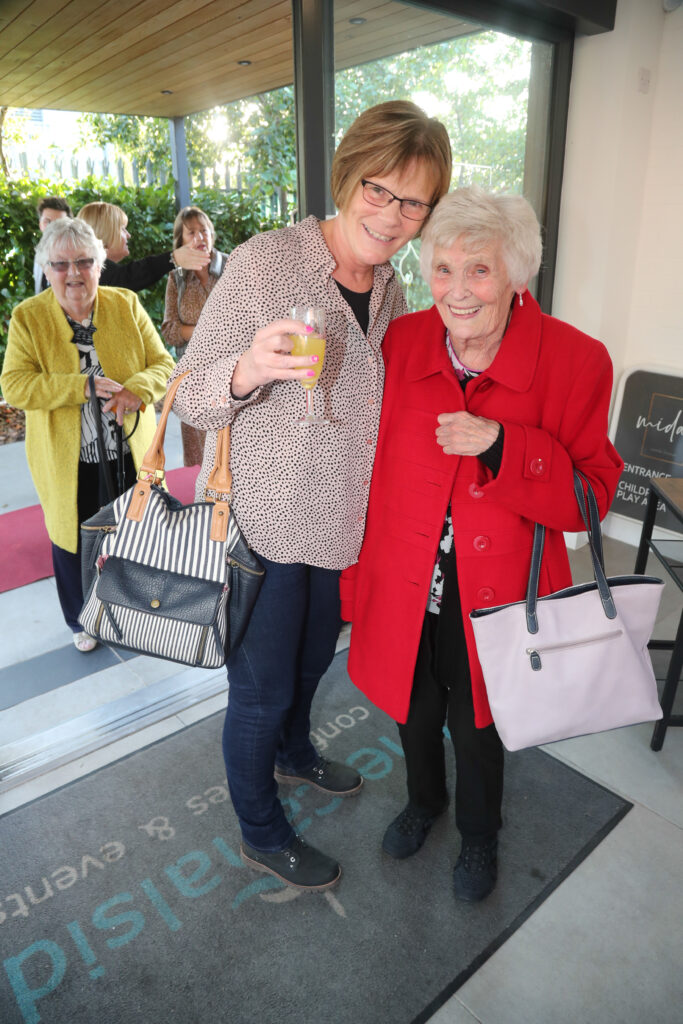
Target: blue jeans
<point>272,679</point>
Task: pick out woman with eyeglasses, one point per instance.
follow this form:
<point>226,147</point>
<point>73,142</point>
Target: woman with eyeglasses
<point>62,344</point>
<point>110,224</point>
<point>300,492</point>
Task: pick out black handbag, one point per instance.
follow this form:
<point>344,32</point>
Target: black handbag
<point>170,580</point>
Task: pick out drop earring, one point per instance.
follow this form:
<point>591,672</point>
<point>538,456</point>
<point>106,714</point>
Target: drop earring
<point>521,300</point>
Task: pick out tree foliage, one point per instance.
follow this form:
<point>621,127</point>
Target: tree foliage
<point>476,84</point>
<point>150,210</point>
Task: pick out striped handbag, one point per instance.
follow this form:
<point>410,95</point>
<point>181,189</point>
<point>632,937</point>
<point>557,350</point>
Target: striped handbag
<point>162,578</point>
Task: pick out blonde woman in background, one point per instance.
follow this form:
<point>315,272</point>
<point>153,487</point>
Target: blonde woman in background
<point>110,224</point>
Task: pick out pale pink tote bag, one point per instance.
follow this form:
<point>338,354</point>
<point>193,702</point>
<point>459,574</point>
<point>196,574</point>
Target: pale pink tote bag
<point>573,662</point>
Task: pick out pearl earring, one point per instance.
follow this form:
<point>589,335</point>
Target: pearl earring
<point>521,300</point>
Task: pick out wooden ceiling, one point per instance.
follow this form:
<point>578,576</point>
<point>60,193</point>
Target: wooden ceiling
<point>176,57</point>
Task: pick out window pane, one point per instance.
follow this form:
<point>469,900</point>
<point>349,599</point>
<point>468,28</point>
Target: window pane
<point>489,88</point>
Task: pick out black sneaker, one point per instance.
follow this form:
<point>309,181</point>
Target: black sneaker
<point>299,865</point>
<point>407,832</point>
<point>330,776</point>
<point>476,869</point>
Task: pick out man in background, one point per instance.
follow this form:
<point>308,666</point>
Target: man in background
<point>49,208</point>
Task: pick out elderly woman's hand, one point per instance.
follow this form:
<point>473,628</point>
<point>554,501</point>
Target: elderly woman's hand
<point>461,433</point>
<point>268,358</point>
<point>104,387</point>
<point>122,402</point>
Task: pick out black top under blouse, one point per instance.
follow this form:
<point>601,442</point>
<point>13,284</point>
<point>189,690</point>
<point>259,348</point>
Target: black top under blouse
<point>359,303</point>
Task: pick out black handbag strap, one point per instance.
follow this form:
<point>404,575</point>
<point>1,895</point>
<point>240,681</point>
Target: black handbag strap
<point>113,490</point>
<point>588,506</point>
<point>105,471</point>
<point>591,519</point>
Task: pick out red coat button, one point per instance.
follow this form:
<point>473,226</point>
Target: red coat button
<point>485,595</point>
<point>481,543</point>
<point>485,385</point>
<point>537,467</point>
<point>475,492</point>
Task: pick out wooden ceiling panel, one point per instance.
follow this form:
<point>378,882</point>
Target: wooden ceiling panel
<point>99,58</point>
<point>117,56</point>
<point>179,61</point>
<point>93,34</point>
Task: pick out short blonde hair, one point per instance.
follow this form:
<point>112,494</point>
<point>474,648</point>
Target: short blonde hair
<point>484,217</point>
<point>190,213</point>
<point>387,138</point>
<point>106,220</point>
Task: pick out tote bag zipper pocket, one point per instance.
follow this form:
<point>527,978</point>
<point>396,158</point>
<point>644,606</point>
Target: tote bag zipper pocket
<point>536,652</point>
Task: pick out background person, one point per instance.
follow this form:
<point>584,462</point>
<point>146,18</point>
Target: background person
<point>109,222</point>
<point>49,209</point>
<point>186,293</point>
<point>489,405</point>
<point>61,343</point>
<point>300,493</point>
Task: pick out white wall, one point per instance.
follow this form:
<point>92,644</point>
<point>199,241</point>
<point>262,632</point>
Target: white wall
<point>620,257</point>
<point>656,308</point>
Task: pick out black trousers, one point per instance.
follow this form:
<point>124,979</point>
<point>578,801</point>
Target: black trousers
<point>67,564</point>
<point>442,694</point>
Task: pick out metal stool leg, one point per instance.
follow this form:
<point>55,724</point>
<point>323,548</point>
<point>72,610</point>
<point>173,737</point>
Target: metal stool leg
<point>670,686</point>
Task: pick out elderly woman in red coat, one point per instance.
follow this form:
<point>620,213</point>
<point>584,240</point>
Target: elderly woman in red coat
<point>489,405</point>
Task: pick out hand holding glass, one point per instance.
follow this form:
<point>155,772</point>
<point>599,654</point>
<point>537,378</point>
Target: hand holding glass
<point>311,344</point>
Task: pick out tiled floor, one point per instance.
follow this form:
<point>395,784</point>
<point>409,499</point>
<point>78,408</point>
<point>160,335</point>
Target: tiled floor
<point>605,948</point>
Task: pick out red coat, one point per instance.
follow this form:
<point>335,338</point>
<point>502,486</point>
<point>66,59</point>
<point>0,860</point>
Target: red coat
<point>550,386</point>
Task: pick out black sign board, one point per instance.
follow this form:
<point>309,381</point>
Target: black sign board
<point>647,431</point>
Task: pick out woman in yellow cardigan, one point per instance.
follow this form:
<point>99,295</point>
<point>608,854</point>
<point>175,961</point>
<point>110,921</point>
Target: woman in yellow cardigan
<point>61,343</point>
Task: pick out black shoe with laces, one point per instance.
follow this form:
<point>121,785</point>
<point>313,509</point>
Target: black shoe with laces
<point>329,776</point>
<point>476,869</point>
<point>298,865</point>
<point>408,831</point>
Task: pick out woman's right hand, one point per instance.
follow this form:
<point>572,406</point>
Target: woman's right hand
<point>190,258</point>
<point>268,358</point>
<point>104,387</point>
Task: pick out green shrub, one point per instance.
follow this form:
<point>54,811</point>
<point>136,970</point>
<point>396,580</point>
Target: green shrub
<point>151,212</point>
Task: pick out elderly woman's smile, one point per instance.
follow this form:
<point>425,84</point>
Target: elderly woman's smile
<point>472,291</point>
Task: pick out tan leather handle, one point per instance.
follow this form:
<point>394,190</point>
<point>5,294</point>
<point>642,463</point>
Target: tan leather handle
<point>220,477</point>
<point>154,461</point>
<point>152,466</point>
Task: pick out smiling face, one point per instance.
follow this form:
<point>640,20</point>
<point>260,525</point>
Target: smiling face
<point>373,234</point>
<point>75,290</point>
<point>197,234</point>
<point>472,291</point>
<point>119,250</point>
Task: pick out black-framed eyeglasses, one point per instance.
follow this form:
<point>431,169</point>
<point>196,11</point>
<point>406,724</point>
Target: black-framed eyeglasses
<point>62,266</point>
<point>376,195</point>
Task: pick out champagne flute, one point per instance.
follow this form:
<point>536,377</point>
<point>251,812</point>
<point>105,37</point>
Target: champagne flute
<point>312,344</point>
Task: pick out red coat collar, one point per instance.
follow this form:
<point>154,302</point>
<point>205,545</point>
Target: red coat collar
<point>515,362</point>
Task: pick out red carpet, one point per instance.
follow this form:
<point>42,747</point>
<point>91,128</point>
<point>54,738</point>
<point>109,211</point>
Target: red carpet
<point>25,550</point>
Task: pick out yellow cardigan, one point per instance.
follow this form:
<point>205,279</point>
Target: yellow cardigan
<point>41,375</point>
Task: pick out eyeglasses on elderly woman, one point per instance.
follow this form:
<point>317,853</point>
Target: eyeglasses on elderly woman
<point>376,195</point>
<point>62,266</point>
